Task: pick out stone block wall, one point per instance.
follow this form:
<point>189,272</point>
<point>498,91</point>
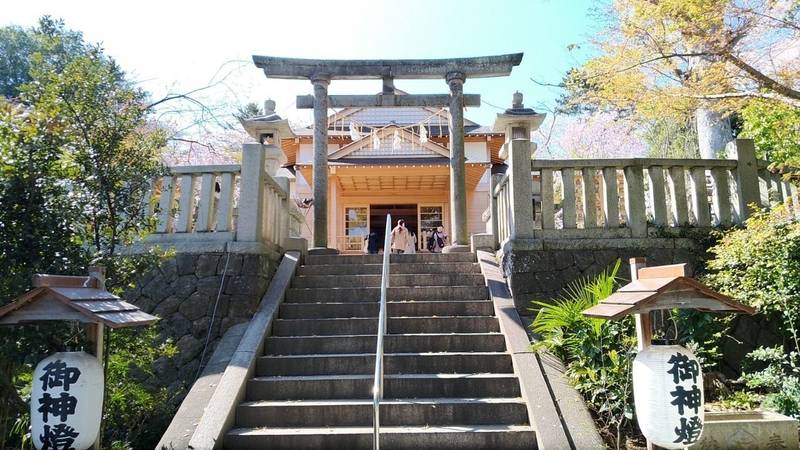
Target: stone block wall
<point>544,272</point>
<point>746,334</point>
<point>182,292</point>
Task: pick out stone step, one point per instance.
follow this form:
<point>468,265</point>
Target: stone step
<point>395,386</point>
<point>395,268</point>
<point>394,343</point>
<point>481,437</point>
<point>397,280</point>
<point>394,363</point>
<point>378,259</point>
<point>394,325</point>
<point>398,412</point>
<point>394,293</point>
<point>394,309</point>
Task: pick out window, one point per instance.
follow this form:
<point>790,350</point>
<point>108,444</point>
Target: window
<point>356,227</point>
<point>430,217</point>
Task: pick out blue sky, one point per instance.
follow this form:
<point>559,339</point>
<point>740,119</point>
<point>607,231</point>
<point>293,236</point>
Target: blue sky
<point>177,46</point>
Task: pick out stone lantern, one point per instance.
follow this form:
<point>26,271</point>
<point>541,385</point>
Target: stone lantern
<point>268,130</point>
<point>517,122</point>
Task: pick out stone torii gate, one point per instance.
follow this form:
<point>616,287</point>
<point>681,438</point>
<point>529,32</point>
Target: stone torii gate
<point>455,71</point>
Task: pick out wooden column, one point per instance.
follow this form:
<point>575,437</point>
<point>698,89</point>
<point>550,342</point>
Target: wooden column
<point>644,331</point>
<point>320,167</point>
<point>96,336</point>
<point>458,184</point>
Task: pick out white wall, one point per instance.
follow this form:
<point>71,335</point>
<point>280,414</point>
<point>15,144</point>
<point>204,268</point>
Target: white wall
<point>476,151</point>
<point>306,153</point>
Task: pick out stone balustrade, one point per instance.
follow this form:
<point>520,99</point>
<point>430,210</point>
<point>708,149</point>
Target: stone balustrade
<point>629,198</point>
<point>247,206</point>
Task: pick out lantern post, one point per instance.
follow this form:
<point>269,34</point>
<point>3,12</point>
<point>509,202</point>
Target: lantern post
<point>644,326</point>
<point>95,333</point>
<point>667,379</point>
<point>68,389</point>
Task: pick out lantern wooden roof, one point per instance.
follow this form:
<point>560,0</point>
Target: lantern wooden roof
<point>664,287</point>
<point>58,297</point>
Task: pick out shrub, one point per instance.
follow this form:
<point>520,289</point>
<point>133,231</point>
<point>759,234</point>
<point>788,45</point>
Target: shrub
<point>760,265</point>
<point>597,353</point>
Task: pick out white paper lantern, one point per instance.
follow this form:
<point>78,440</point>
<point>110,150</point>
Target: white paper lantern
<point>668,393</point>
<point>66,401</point>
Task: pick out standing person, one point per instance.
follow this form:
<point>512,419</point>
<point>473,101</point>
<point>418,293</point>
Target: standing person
<point>439,238</point>
<point>400,237</point>
<point>412,244</point>
<point>373,243</point>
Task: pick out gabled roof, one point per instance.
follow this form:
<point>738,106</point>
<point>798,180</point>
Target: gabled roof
<point>363,146</point>
<point>72,298</point>
<point>379,117</point>
<point>664,287</point>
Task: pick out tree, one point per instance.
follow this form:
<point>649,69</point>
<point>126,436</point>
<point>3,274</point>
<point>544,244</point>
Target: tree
<point>701,58</point>
<point>37,233</point>
<point>114,151</point>
<point>77,150</point>
<point>667,138</point>
<point>51,39</point>
<point>600,135</point>
<point>775,128</point>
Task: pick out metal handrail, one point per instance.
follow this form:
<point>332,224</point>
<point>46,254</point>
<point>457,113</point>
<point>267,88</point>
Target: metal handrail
<point>377,386</point>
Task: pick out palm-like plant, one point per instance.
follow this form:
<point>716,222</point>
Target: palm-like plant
<point>597,353</point>
<point>557,322</point>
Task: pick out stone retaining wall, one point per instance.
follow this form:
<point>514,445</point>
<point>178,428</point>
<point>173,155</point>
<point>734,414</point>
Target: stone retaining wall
<point>182,292</point>
<point>543,273</point>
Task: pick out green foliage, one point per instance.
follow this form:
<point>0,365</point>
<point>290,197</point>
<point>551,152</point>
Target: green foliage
<point>775,130</point>
<point>249,110</point>
<point>772,370</point>
<point>670,138</point>
<point>51,40</point>
<point>740,401</point>
<point>32,180</point>
<point>701,332</point>
<point>597,353</point>
<point>137,407</point>
<point>77,150</point>
<point>113,152</point>
<point>760,266</point>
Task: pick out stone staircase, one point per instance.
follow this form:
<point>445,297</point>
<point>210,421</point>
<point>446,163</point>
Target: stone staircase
<point>449,382</point>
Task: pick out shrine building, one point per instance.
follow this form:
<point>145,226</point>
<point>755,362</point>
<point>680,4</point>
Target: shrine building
<point>392,160</point>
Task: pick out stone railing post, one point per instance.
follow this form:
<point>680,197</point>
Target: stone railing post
<point>251,192</point>
<point>493,210</point>
<point>283,212</point>
<point>521,185</point>
<point>634,200</point>
<point>747,184</point>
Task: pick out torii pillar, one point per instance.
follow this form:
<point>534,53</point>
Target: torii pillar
<point>458,181</point>
<point>454,70</point>
<point>320,167</point>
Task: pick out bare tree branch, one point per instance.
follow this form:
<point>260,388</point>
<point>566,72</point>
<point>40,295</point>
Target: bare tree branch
<point>762,79</point>
<point>746,94</point>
